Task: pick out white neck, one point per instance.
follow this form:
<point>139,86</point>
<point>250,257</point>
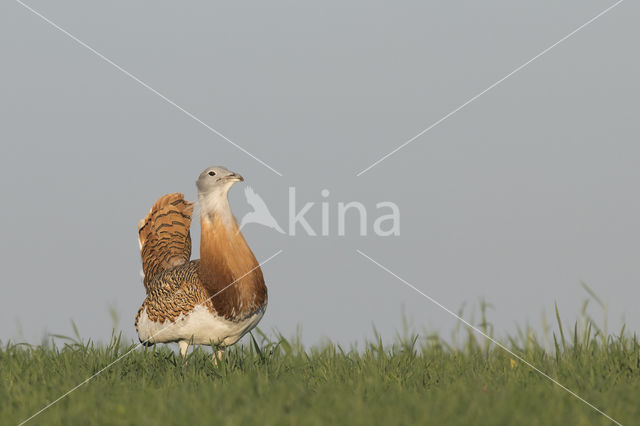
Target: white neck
<point>215,204</point>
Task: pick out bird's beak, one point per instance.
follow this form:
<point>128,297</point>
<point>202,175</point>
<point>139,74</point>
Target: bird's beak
<point>235,177</point>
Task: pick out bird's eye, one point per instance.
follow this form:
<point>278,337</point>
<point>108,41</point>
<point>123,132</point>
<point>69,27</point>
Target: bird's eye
<point>212,173</point>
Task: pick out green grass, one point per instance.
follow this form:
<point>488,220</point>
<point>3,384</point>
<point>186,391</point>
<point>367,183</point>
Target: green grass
<point>418,380</point>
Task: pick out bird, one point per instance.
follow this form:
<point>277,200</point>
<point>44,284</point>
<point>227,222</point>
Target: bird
<point>214,300</point>
<point>260,213</point>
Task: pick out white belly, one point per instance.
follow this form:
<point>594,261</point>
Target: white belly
<point>199,326</point>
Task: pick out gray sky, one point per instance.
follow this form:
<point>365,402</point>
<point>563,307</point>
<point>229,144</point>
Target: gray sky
<point>515,199</point>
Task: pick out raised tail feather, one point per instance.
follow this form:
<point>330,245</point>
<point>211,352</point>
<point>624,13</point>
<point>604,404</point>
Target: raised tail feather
<point>165,241</point>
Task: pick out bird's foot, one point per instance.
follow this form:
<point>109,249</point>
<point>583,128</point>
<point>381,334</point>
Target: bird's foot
<point>217,356</point>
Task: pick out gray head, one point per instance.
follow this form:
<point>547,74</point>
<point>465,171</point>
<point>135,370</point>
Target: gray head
<point>216,179</point>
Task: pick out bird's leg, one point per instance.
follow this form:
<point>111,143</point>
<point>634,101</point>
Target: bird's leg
<point>184,347</point>
<point>217,356</point>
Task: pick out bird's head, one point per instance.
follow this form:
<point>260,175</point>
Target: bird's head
<point>216,179</point>
<point>213,186</point>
